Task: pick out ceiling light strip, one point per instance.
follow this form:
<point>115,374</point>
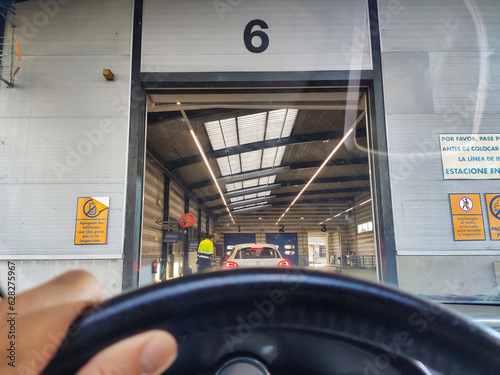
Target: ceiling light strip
<point>319,170</point>
<point>343,212</point>
<point>191,130</point>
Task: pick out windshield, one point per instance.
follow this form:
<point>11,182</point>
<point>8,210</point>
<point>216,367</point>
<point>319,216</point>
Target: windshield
<point>253,253</point>
<point>359,137</point>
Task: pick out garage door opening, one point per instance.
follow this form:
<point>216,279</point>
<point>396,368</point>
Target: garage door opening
<point>280,166</point>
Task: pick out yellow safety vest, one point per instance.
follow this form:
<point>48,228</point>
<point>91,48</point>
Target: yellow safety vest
<point>205,249</point>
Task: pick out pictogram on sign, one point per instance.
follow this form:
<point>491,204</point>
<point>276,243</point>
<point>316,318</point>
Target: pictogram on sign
<point>493,204</point>
<point>90,209</point>
<point>92,221</point>
<point>467,217</point>
<point>466,204</point>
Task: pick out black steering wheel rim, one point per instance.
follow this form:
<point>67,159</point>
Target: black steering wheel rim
<point>214,307</point>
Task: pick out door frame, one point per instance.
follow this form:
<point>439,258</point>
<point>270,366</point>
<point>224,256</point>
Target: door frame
<point>377,136</point>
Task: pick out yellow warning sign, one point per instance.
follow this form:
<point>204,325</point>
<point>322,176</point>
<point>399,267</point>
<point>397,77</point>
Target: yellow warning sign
<point>467,216</point>
<point>92,221</point>
<point>493,204</point>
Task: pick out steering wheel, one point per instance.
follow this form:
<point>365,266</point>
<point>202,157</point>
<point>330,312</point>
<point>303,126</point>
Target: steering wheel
<point>292,321</point>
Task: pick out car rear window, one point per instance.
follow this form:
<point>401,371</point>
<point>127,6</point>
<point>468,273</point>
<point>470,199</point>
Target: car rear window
<point>256,252</point>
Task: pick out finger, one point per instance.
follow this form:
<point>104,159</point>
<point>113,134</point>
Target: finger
<point>149,353</point>
<point>38,335</point>
<point>67,288</point>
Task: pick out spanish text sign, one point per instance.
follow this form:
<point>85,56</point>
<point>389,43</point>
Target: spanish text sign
<point>92,221</point>
<point>468,224</point>
<point>470,156</point>
<point>493,204</point>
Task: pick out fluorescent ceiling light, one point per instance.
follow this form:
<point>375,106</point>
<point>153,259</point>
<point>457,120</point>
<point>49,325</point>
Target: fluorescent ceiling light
<point>207,164</point>
<point>318,171</point>
<point>346,135</point>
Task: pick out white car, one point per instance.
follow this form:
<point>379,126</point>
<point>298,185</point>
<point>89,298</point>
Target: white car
<point>256,255</point>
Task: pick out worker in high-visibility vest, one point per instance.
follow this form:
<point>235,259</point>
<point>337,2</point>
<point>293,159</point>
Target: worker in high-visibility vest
<point>205,253</point>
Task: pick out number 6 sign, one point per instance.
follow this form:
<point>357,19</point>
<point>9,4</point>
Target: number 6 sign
<point>248,36</point>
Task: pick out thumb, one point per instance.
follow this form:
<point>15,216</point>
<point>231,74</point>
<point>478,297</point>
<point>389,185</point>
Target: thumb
<point>149,353</point>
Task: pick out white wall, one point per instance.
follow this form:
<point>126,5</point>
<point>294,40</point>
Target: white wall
<point>441,75</point>
<point>64,135</point>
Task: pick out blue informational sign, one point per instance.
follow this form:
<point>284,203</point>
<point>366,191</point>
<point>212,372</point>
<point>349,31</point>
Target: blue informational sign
<point>288,245</point>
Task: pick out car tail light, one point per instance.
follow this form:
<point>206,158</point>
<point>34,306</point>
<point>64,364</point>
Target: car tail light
<point>230,264</point>
<point>284,263</point>
<point>257,247</point>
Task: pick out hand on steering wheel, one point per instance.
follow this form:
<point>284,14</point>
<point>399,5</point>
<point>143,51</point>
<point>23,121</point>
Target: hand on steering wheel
<point>271,321</point>
<point>288,322</point>
<point>44,315</point>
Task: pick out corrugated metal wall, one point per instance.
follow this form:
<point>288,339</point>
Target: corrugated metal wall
<point>154,186</point>
<point>335,249</point>
<point>176,201</point>
<point>176,210</point>
<point>441,74</point>
<point>64,131</point>
<point>433,61</point>
<point>365,240</point>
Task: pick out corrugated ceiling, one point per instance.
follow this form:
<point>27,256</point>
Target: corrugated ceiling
<point>236,131</point>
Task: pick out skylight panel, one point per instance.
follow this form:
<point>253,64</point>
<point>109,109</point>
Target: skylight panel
<point>280,123</point>
<point>222,134</point>
<point>224,166</point>
<point>234,186</point>
<point>264,180</point>
<point>250,183</point>
<point>234,162</point>
<point>229,165</point>
<point>279,156</point>
<point>267,180</point>
<point>243,130</point>
<point>214,132</point>
<point>275,123</point>
<point>252,128</point>
<point>264,194</point>
<point>289,122</point>
<point>251,160</point>
<point>250,196</point>
<point>229,132</point>
<point>273,157</point>
<point>268,157</point>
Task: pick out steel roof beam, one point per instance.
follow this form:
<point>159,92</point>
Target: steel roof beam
<point>327,180</point>
<point>251,175</point>
<point>251,201</point>
<point>316,164</point>
<point>261,145</point>
<point>282,169</point>
<point>284,195</point>
<point>285,202</point>
<point>252,190</point>
<point>327,191</point>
